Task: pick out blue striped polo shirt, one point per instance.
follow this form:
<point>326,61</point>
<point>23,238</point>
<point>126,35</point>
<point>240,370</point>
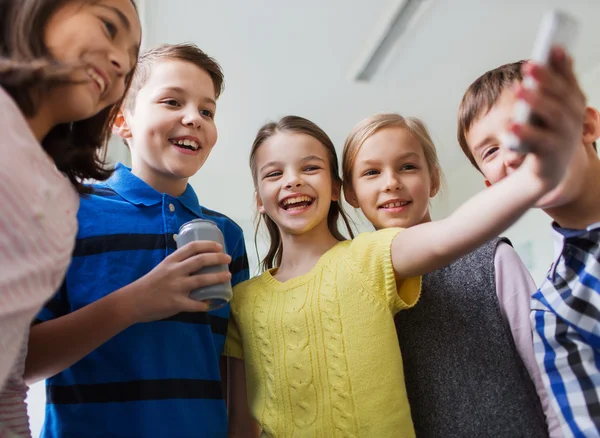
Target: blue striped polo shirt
<point>156,379</point>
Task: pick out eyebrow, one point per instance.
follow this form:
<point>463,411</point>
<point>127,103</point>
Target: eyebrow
<point>135,49</point>
<point>404,156</point>
<point>482,144</point>
<point>279,163</point>
<point>124,20</point>
<point>183,91</point>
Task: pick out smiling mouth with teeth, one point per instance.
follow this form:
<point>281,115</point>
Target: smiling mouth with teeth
<point>395,204</point>
<point>186,144</point>
<point>295,203</point>
<point>99,80</point>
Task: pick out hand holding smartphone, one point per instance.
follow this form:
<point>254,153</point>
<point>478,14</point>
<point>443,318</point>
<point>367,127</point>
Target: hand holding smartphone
<point>556,29</point>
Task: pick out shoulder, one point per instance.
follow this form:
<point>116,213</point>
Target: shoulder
<point>254,282</point>
<point>246,290</point>
<point>232,232</point>
<point>102,200</point>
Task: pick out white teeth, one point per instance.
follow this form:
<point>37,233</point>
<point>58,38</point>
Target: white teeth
<point>98,79</point>
<point>187,142</point>
<point>395,204</point>
<point>296,200</point>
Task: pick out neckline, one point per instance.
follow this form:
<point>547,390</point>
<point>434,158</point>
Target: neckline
<point>300,279</point>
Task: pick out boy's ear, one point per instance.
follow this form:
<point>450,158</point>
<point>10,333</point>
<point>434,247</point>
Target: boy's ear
<point>259,203</point>
<point>120,126</point>
<point>591,126</point>
<point>350,196</point>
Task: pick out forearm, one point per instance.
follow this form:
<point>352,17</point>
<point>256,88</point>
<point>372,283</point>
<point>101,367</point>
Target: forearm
<point>241,423</point>
<point>57,344</point>
<point>427,247</point>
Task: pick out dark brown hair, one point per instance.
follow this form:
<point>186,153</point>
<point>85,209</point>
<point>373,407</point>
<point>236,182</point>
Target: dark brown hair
<point>184,52</point>
<point>298,125</point>
<point>481,96</point>
<point>27,69</point>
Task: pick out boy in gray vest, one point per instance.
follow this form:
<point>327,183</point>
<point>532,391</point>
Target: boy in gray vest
<point>565,311</point>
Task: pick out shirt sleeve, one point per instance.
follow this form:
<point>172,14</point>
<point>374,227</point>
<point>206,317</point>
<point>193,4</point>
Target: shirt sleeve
<point>14,421</point>
<point>371,255</point>
<point>514,287</point>
<point>57,306</point>
<point>239,262</point>
<point>233,343</point>
<point>569,370</point>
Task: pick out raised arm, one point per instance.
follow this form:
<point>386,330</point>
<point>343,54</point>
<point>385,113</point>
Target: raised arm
<point>560,104</point>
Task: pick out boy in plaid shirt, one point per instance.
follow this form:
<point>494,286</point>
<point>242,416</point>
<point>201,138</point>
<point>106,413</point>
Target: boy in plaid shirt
<point>565,311</point>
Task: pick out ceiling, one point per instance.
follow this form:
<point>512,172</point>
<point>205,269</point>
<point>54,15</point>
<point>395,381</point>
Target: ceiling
<point>288,57</point>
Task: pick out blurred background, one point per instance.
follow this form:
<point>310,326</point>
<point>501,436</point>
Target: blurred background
<point>338,61</point>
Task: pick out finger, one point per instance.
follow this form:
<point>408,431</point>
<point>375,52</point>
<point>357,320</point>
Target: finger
<point>547,112</point>
<point>199,261</point>
<point>204,280</point>
<point>562,63</point>
<point>548,82</point>
<point>566,95</point>
<point>536,139</point>
<point>191,305</point>
<point>193,248</point>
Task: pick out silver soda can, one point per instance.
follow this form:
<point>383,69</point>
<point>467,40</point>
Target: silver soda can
<point>216,295</point>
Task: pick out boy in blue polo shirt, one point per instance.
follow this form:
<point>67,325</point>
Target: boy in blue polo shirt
<point>127,352</point>
<point>565,311</point>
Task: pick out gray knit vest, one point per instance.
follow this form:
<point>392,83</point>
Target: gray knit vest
<point>464,376</point>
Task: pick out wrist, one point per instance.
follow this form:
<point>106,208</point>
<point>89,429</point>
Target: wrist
<point>125,308</point>
<point>530,185</point>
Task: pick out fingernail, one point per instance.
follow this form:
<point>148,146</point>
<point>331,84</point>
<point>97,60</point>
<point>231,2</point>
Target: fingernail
<point>515,128</point>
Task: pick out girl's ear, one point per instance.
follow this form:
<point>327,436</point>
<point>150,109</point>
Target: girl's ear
<point>435,183</point>
<point>259,204</point>
<point>350,196</point>
<point>336,191</point>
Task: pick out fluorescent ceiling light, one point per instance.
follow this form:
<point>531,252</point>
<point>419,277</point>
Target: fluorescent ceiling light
<point>403,15</point>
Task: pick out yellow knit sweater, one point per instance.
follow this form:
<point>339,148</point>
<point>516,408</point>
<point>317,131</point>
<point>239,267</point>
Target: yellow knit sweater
<point>321,352</point>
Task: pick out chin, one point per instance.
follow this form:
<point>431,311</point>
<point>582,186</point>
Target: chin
<point>554,199</point>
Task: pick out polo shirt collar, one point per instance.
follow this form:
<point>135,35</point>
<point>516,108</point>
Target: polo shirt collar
<point>137,192</point>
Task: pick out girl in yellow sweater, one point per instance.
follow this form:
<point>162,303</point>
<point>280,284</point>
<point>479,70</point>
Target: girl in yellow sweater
<point>312,340</point>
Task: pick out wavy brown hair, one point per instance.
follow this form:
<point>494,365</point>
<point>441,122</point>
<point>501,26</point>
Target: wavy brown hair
<point>298,125</point>
<point>27,70</point>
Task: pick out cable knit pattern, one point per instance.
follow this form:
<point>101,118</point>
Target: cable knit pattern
<point>321,351</point>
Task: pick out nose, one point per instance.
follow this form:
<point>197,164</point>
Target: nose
<point>192,119</point>
<point>392,182</point>
<point>294,182</point>
<point>118,60</point>
<point>512,160</point>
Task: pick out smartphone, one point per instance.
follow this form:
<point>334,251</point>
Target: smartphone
<point>556,29</point>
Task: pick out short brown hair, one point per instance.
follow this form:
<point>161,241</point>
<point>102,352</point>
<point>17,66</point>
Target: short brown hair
<point>27,68</point>
<point>371,125</point>
<point>481,96</point>
<point>184,52</point>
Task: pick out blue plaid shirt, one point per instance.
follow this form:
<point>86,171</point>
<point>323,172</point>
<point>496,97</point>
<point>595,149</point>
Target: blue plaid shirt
<point>565,315</point>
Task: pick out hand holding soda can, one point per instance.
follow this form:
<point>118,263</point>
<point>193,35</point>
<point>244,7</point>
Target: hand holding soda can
<point>216,295</point>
